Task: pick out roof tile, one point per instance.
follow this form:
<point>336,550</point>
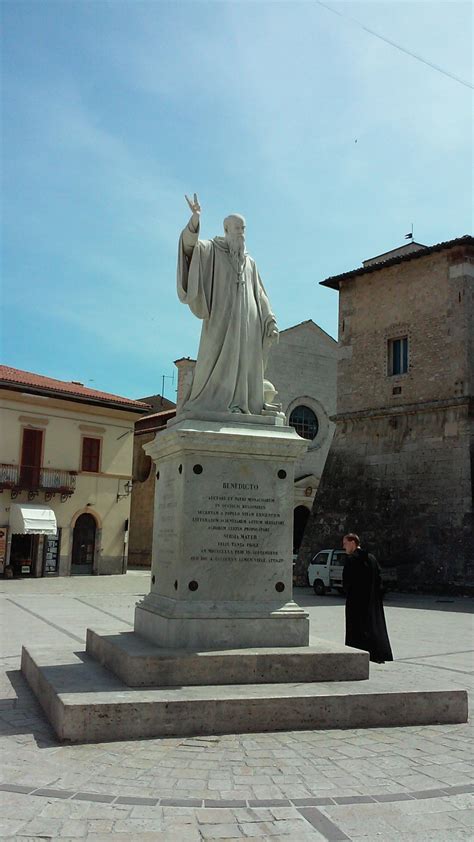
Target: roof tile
<point>334,280</point>
<point>31,381</point>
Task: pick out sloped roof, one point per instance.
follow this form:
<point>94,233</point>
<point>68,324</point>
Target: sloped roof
<point>156,421</point>
<point>27,381</point>
<point>334,280</point>
<point>308,323</point>
<point>158,403</point>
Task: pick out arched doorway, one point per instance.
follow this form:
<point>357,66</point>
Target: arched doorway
<point>300,519</point>
<point>83,544</point>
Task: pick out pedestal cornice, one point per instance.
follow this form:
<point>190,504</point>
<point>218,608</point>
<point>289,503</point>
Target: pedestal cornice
<point>196,435</point>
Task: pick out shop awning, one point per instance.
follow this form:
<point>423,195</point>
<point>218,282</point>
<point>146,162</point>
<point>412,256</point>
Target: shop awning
<point>31,519</point>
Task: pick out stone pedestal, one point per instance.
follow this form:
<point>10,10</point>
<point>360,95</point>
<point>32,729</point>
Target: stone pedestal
<point>222,543</point>
<point>86,703</point>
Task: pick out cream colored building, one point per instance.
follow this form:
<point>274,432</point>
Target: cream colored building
<point>65,476</point>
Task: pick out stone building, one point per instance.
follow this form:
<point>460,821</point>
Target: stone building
<point>65,476</point>
<point>143,492</point>
<point>302,368</point>
<point>400,467</point>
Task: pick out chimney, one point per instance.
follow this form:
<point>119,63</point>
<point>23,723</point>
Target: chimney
<point>185,367</point>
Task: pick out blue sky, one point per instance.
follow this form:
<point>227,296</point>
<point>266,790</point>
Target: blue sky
<point>328,140</point>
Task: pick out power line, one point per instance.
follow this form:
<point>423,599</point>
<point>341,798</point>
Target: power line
<point>397,46</point>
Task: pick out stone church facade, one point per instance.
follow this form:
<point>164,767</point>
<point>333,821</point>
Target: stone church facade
<point>400,468</point>
<point>302,367</point>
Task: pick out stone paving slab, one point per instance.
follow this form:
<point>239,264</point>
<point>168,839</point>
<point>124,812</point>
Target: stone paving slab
<point>338,822</point>
<point>428,638</point>
<point>218,805</point>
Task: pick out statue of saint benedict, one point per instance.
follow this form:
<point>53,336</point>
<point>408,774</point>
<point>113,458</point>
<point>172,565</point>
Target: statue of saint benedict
<point>220,283</point>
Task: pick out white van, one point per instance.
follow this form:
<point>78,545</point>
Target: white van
<point>325,571</point>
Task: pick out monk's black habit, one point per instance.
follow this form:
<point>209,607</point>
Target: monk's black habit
<point>365,620</point>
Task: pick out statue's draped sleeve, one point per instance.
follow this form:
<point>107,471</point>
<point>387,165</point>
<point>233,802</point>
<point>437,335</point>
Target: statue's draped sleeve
<point>195,272</point>
<point>267,318</point>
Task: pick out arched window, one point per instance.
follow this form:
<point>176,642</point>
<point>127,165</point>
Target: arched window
<point>305,422</point>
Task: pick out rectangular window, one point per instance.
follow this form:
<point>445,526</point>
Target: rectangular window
<point>398,355</point>
<point>90,455</point>
<point>320,558</point>
<point>30,466</point>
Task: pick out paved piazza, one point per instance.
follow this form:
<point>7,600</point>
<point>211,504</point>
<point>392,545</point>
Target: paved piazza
<point>378,784</point>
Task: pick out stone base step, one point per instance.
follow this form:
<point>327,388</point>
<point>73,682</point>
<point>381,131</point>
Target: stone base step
<point>86,703</point>
<point>140,663</point>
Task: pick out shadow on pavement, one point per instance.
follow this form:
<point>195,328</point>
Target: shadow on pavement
<point>25,716</point>
<point>392,599</point>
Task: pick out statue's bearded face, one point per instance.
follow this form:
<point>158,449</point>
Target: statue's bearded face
<point>234,227</point>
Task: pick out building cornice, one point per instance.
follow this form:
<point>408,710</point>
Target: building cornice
<point>24,390</point>
<point>404,409</point>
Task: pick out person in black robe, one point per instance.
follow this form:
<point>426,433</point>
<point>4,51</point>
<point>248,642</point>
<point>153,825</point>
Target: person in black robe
<point>365,620</point>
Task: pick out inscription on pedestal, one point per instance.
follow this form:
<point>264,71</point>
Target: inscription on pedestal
<point>238,524</point>
<point>168,520</point>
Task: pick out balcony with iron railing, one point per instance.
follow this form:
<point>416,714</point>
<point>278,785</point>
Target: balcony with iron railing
<point>33,479</point>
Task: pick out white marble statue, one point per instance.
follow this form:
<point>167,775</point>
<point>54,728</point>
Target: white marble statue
<point>220,283</point>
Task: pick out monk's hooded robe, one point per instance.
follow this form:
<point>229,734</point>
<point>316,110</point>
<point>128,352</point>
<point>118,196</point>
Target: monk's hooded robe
<point>235,310</point>
<point>365,619</point>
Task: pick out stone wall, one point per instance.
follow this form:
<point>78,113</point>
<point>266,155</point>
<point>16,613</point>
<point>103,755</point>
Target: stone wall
<point>403,482</point>
<point>427,299</point>
<point>141,509</point>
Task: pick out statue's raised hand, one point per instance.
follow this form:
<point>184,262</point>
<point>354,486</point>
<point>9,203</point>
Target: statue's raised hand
<point>195,209</point>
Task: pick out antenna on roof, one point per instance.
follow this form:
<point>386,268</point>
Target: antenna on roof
<point>409,236</point>
<point>163,378</point>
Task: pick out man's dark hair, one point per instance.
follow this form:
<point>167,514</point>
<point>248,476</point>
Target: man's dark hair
<point>351,536</point>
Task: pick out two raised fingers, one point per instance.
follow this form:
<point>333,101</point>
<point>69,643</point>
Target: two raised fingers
<point>194,205</point>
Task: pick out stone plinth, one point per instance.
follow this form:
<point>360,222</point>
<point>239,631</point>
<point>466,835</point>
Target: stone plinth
<point>222,541</point>
<point>86,703</point>
<point>139,663</point>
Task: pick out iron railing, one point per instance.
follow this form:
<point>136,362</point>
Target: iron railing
<point>33,478</point>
